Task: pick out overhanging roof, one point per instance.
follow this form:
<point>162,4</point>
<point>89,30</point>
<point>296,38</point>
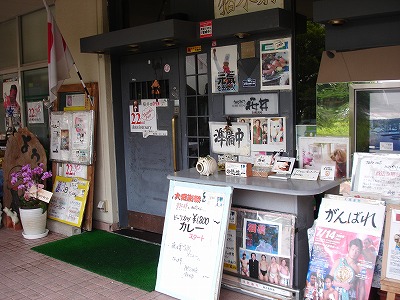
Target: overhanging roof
<point>169,33</point>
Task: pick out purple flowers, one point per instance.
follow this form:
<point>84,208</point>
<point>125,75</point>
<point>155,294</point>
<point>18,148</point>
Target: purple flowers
<point>26,178</point>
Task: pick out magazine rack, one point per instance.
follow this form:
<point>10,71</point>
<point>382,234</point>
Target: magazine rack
<point>289,196</point>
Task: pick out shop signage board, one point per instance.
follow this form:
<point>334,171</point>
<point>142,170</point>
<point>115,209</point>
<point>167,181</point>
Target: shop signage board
<point>192,248</point>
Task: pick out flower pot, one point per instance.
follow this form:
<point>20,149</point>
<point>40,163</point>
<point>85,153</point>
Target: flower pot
<point>33,222</point>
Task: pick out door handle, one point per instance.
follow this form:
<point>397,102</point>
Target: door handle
<point>174,143</point>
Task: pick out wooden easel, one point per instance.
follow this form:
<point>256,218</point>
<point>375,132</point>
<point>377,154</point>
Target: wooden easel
<point>94,93</point>
<point>388,284</point>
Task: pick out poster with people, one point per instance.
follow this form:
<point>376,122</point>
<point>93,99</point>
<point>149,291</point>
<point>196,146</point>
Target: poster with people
<point>268,134</point>
<point>224,70</point>
<point>391,263</point>
<point>12,103</point>
<point>344,249</point>
<point>264,250</point>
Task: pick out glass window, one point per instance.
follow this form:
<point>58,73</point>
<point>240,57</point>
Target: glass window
<point>34,36</point>
<point>191,65</point>
<point>9,50</point>
<point>198,143</point>
<point>36,83</point>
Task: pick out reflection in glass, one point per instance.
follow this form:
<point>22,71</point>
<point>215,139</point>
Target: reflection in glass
<point>203,126</point>
<point>193,147</point>
<point>36,82</point>
<point>204,144</point>
<point>192,126</point>
<point>191,86</point>
<point>202,63</point>
<point>191,65</point>
<point>191,106</point>
<point>202,106</point>
<point>203,84</point>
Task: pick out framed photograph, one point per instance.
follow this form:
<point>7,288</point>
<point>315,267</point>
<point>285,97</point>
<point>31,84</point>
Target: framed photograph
<point>275,62</point>
<point>283,165</point>
<point>264,244</point>
<point>315,152</point>
<point>268,134</point>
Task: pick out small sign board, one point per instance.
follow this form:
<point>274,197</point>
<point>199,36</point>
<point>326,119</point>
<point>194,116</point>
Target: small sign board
<point>206,29</point>
<point>252,104</point>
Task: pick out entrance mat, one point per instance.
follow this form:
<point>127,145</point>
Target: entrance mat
<point>140,235</point>
<point>111,255</point>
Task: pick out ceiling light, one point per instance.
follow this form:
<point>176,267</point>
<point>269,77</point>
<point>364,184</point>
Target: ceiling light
<point>337,22</point>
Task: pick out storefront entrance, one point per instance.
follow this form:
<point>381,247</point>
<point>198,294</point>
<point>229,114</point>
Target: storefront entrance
<point>149,155</point>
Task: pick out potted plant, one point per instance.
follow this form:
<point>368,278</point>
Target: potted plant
<point>28,188</point>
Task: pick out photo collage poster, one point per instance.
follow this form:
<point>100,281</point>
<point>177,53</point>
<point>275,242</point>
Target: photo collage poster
<point>260,247</point>
<point>345,246</point>
<point>71,136</point>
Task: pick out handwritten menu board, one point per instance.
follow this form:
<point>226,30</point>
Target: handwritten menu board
<point>377,173</point>
<point>192,248</point>
<point>69,198</point>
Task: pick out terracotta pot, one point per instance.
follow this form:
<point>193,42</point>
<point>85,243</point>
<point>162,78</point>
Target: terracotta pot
<point>33,222</point>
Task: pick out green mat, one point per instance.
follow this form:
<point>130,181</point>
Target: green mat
<point>114,256</point>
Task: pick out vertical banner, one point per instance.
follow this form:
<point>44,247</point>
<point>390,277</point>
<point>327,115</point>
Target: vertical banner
<point>193,241</point>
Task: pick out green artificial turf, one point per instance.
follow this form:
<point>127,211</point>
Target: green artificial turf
<point>111,255</point>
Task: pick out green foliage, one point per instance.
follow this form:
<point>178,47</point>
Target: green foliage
<point>309,48</point>
<point>333,109</point>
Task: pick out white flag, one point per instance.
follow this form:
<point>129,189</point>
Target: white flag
<point>60,59</point>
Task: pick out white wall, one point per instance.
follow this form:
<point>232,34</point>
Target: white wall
<point>77,19</point>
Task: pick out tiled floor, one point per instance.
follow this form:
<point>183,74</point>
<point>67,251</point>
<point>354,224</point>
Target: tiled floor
<point>26,274</point>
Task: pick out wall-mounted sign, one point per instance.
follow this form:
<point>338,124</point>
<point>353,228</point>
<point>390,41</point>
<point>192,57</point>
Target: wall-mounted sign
<point>238,7</point>
<point>275,63</point>
<point>35,112</point>
<point>206,29</point>
<point>193,49</point>
<point>252,104</point>
<point>234,139</point>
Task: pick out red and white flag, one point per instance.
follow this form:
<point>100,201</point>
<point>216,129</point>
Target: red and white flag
<point>60,59</point>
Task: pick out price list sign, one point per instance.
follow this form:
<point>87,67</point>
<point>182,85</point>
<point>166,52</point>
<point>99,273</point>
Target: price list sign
<point>192,249</point>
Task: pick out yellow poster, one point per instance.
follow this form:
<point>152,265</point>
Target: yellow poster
<point>69,199</point>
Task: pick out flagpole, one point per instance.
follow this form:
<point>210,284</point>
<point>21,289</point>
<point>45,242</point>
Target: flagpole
<point>83,84</point>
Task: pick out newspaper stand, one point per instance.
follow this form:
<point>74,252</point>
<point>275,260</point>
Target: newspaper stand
<point>287,196</point>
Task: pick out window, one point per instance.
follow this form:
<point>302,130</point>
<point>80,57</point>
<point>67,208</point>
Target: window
<point>197,114</point>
